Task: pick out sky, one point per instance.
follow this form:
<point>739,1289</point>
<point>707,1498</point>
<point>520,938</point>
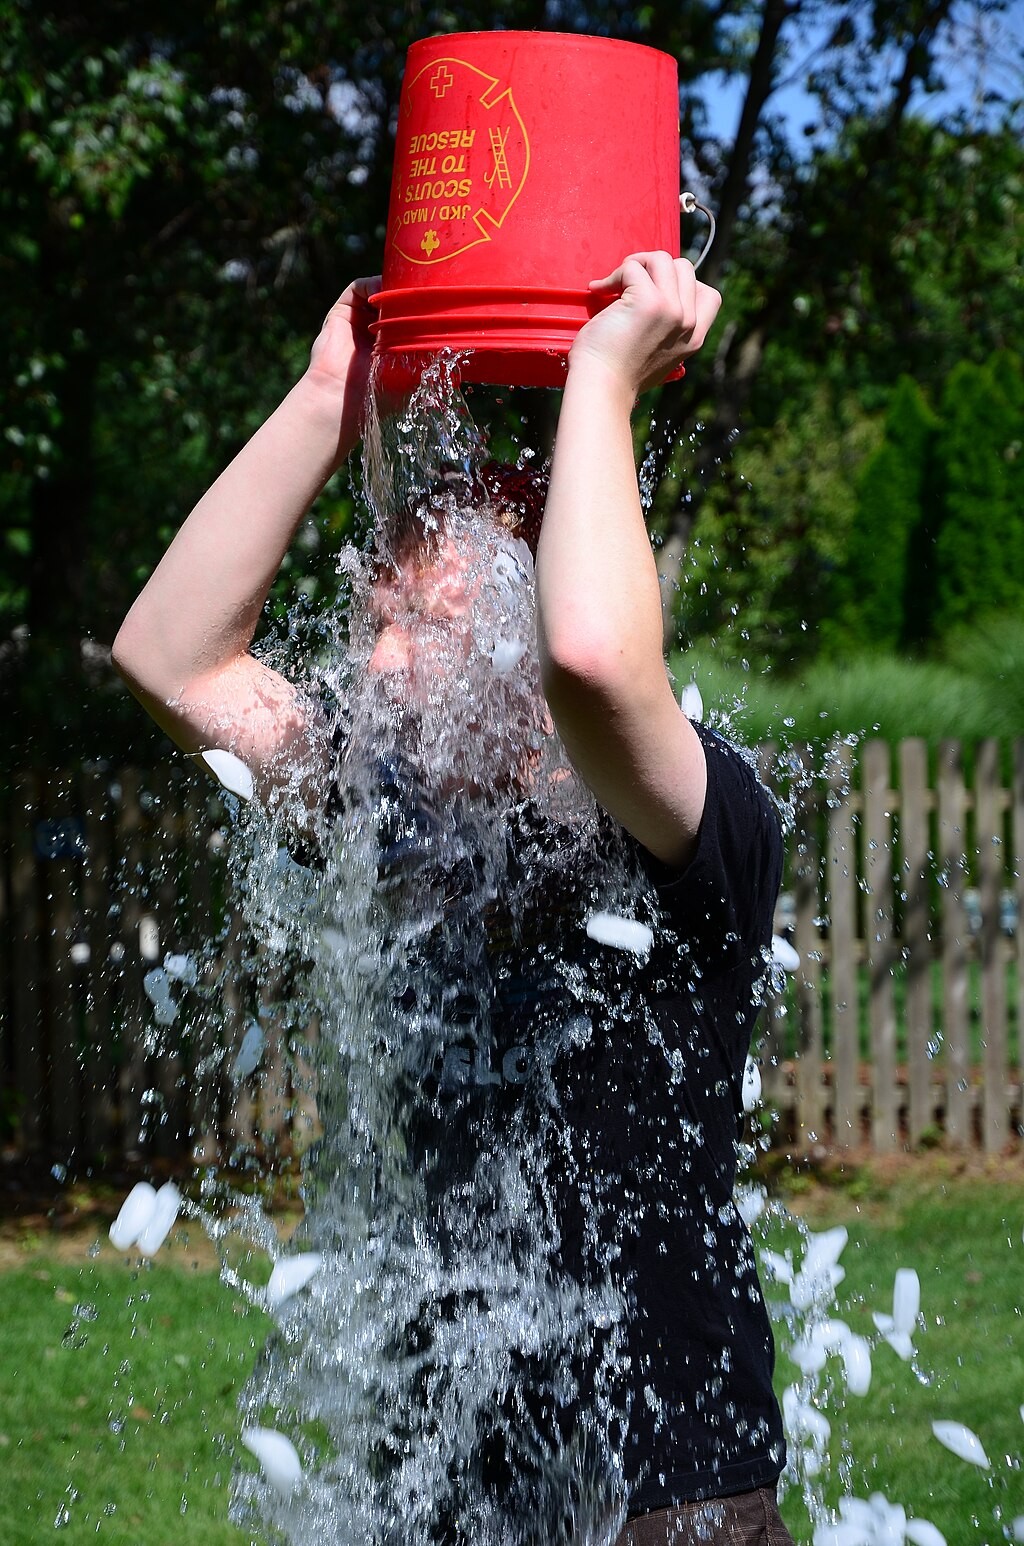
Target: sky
<point>985,54</point>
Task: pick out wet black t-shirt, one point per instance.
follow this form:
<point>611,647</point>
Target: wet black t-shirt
<point>617,1078</point>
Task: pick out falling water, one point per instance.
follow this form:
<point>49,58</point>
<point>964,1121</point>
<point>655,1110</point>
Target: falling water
<point>452,1367</point>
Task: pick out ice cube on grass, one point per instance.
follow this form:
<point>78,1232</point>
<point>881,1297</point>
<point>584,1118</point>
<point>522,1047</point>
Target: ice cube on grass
<point>136,1212</point>
<point>962,1442</point>
<point>158,1226</point>
<point>277,1455</point>
<point>231,771</point>
<point>620,933</point>
<point>289,1275</point>
<point>249,1053</point>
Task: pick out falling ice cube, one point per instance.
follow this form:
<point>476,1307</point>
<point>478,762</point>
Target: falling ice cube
<point>856,1356</point>
<point>921,1532</point>
<point>157,987</point>
<point>962,1442</point>
<point>161,1221</point>
<point>289,1275</point>
<point>691,703</point>
<point>784,955</point>
<point>136,1212</point>
<point>181,968</point>
<point>906,1300</point>
<point>620,933</point>
<point>249,1053</point>
<point>506,655</point>
<point>277,1455</point>
<point>751,1085</point>
<point>232,772</point>
<point>750,1203</point>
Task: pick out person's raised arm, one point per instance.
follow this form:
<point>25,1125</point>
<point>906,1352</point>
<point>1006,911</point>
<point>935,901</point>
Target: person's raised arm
<point>598,595</point>
<point>184,646</point>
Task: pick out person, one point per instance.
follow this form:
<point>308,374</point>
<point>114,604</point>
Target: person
<point>655,1117</point>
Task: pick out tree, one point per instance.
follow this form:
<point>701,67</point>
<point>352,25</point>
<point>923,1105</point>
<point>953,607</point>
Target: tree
<point>979,543</point>
<point>880,578</point>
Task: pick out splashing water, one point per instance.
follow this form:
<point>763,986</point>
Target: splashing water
<point>445,1370</point>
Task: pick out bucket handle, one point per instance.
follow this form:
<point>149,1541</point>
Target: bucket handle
<point>688,202</point>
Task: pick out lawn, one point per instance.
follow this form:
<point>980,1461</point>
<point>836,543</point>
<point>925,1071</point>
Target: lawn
<point>118,1385</point>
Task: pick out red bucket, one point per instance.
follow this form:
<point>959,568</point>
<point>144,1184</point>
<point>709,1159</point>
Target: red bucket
<point>526,164</point>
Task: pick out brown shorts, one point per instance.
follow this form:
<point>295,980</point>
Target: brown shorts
<point>746,1519</point>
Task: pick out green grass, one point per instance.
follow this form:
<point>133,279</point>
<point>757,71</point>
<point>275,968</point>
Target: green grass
<point>964,1239</point>
<point>124,1422</point>
<point>130,1423</point>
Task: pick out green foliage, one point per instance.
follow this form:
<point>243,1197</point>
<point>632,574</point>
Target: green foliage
<point>880,580</point>
<point>760,576</point>
<point>860,696</point>
<point>979,544</point>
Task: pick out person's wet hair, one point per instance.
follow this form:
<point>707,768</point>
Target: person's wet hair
<point>511,497</point>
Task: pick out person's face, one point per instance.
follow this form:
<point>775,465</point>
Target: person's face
<point>422,611</point>
<point>437,616</point>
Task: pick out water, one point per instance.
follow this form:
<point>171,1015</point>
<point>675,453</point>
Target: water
<point>441,1374</point>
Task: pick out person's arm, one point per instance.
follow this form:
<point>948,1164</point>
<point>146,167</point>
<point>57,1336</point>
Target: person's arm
<point>184,647</point>
<point>598,596</point>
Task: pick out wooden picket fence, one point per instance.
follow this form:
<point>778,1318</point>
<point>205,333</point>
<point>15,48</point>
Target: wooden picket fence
<point>901,1026</point>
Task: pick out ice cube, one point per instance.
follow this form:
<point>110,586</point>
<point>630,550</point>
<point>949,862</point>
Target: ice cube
<point>784,955</point>
<point>962,1442</point>
<point>691,702</point>
<point>232,772</point>
<point>161,1221</point>
<point>136,1212</point>
<point>506,655</point>
<point>906,1300</point>
<point>181,968</point>
<point>620,933</point>
<point>249,1053</point>
<point>157,987</point>
<point>289,1275</point>
<point>921,1532</point>
<point>751,1085</point>
<point>277,1455</point>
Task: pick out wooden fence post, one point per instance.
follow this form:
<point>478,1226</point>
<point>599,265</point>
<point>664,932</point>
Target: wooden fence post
<point>878,930</point>
<point>914,854</point>
<point>841,894</point>
<point>952,851</point>
<point>988,806</point>
<point>807,878</point>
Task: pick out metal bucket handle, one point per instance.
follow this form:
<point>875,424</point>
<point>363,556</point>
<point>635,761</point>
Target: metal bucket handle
<point>688,202</point>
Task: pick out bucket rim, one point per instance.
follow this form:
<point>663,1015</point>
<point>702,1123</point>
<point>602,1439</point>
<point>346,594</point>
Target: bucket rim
<point>536,35</point>
<point>429,294</point>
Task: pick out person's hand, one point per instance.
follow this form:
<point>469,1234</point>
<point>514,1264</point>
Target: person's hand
<point>661,315</point>
<point>340,358</point>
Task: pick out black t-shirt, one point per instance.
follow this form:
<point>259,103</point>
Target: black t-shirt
<point>616,1080</point>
